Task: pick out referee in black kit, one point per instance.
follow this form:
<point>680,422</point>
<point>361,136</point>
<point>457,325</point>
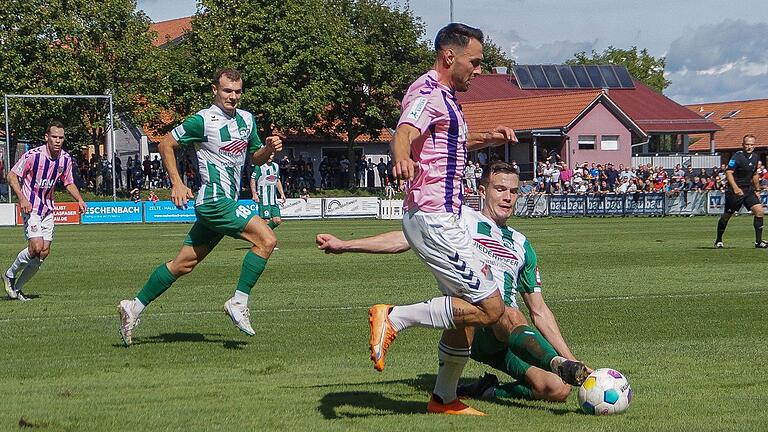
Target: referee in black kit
<point>741,190</point>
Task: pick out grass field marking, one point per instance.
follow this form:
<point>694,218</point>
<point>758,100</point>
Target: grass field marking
<point>346,308</point>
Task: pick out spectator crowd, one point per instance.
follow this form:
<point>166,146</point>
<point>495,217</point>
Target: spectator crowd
<point>558,178</point>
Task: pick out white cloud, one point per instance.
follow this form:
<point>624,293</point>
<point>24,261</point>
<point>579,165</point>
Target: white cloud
<point>724,61</point>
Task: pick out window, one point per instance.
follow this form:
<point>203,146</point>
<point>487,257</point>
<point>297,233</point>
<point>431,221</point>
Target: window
<point>708,115</point>
<point>609,142</point>
<point>731,114</point>
<point>587,142</point>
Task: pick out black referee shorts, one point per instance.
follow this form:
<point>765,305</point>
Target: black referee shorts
<point>734,202</point>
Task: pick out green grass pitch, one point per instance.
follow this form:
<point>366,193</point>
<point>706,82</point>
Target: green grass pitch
<point>647,296</point>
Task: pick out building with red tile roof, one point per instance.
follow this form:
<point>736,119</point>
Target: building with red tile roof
<point>171,31</point>
<point>616,125</point>
<point>736,118</point>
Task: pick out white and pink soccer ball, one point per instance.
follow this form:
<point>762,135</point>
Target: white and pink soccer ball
<point>605,391</point>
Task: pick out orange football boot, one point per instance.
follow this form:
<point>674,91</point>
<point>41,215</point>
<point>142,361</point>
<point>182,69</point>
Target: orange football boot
<point>382,333</point>
<point>456,407</point>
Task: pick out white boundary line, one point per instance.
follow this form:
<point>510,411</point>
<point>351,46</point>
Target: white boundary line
<point>346,308</point>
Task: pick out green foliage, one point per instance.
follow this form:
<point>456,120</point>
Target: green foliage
<point>641,65</point>
<point>494,55</point>
<point>667,313</point>
<point>76,47</point>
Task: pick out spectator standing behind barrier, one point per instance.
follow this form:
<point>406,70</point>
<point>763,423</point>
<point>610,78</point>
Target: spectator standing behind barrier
<point>469,176</point>
<point>360,171</point>
<point>611,176</point>
<point>118,172</point>
<point>370,174</point>
<point>381,167</point>
<point>478,175</point>
<point>147,171</point>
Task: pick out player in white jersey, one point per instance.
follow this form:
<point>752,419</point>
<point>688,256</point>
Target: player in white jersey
<point>223,137</point>
<point>265,186</point>
<point>537,362</point>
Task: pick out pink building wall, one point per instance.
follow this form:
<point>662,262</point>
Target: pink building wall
<point>599,121</point>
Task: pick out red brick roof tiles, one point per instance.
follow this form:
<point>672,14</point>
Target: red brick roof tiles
<point>752,118</point>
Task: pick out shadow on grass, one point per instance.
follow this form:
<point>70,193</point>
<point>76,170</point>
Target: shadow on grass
<point>28,296</point>
<point>348,404</point>
<point>189,337</point>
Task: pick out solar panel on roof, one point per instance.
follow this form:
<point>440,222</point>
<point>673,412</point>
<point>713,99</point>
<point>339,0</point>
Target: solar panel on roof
<point>523,77</point>
<point>569,80</point>
<point>581,76</point>
<point>594,75</point>
<point>571,77</point>
<point>552,76</point>
<point>625,79</point>
<point>609,76</point>
<point>538,76</point>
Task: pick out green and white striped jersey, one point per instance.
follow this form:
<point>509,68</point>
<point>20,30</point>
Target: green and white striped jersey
<point>507,252</point>
<point>222,144</point>
<point>266,177</point>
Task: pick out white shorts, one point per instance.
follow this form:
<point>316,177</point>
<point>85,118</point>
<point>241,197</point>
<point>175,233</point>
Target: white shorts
<point>35,226</point>
<point>447,248</point>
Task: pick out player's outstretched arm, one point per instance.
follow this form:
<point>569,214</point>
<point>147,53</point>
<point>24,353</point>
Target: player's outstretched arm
<point>403,168</point>
<point>273,144</point>
<point>180,193</point>
<point>280,191</point>
<point>499,136</point>
<point>546,323</point>
<point>387,243</point>
<point>13,182</point>
<point>75,192</point>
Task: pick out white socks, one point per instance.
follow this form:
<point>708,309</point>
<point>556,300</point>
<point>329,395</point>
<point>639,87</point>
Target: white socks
<point>240,297</point>
<point>436,313</point>
<point>18,264</point>
<point>452,361</point>
<point>29,270</point>
<point>137,307</point>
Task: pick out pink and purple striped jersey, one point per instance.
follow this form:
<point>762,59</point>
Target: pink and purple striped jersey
<point>39,173</point>
<point>440,151</point>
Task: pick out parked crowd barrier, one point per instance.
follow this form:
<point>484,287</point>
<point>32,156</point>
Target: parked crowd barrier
<point>534,205</point>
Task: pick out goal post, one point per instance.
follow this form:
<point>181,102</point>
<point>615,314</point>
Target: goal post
<point>110,141</point>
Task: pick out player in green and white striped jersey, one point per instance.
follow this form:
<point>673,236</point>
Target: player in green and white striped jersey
<point>536,357</point>
<point>265,186</point>
<point>223,137</point>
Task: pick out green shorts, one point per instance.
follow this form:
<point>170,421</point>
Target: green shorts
<point>488,350</point>
<point>217,219</point>
<point>269,211</point>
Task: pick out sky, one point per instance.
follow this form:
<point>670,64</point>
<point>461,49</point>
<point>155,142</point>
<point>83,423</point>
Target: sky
<point>715,50</point>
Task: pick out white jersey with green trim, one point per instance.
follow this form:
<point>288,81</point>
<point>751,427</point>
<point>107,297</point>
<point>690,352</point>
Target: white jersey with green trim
<point>507,252</point>
<point>266,177</point>
<point>222,144</point>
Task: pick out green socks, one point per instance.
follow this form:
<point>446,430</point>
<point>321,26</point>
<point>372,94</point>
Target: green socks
<point>532,347</point>
<point>515,390</point>
<point>159,281</point>
<point>272,225</point>
<point>253,266</point>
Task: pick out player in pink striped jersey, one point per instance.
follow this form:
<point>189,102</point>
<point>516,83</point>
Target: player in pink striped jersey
<point>429,149</point>
<point>38,170</point>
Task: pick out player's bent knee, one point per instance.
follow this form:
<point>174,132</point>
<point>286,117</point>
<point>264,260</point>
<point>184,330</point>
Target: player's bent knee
<point>44,254</point>
<point>492,308</point>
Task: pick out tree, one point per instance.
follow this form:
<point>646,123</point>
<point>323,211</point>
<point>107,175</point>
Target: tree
<point>335,67</point>
<point>641,65</point>
<point>384,55</point>
<point>288,52</point>
<point>76,47</point>
<point>494,55</point>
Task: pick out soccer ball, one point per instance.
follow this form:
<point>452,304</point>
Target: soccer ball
<point>605,391</point>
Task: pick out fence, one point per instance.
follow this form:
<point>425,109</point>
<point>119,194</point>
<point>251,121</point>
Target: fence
<point>633,204</point>
<point>696,161</point>
<point>639,204</point>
